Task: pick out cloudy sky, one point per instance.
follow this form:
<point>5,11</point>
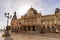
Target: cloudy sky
<point>21,6</point>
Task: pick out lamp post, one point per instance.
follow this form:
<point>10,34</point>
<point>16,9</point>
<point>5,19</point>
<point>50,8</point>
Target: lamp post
<point>7,15</point>
<point>6,34</point>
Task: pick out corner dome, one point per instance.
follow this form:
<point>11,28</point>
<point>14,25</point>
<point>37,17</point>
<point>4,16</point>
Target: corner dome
<point>57,10</point>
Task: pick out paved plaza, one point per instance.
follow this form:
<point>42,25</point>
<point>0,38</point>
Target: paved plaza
<point>29,36</point>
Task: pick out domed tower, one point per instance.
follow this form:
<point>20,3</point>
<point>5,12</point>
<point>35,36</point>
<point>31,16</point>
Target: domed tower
<point>31,12</point>
<point>57,12</point>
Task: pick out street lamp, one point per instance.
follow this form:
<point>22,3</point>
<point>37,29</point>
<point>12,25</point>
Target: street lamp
<point>7,15</point>
<point>6,32</point>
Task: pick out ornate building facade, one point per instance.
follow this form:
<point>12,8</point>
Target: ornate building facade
<point>35,22</point>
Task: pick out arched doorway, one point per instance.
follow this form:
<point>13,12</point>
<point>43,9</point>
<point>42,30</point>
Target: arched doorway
<point>24,28</point>
<point>12,30</point>
<point>53,29</point>
<point>42,29</point>
<point>33,28</point>
<point>28,28</point>
<point>48,29</point>
<point>18,29</point>
<point>21,28</point>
